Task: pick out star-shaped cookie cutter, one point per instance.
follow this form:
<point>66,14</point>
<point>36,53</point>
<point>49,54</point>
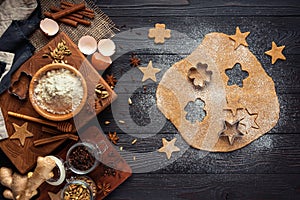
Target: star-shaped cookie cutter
<point>231,131</point>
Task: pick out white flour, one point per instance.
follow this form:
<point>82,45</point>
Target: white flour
<point>59,91</point>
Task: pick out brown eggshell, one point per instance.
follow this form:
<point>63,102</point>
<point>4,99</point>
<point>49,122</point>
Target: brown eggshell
<point>100,62</point>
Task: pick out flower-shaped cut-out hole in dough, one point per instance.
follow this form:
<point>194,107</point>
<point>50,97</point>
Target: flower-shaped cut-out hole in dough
<point>195,111</point>
<point>199,75</point>
<point>236,75</point>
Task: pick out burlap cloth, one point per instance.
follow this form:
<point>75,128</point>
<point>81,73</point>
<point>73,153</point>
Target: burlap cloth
<point>101,27</point>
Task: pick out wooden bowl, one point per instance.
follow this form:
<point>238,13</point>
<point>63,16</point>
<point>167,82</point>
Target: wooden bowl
<point>33,97</point>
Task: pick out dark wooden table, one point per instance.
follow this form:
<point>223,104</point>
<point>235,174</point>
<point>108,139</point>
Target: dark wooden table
<point>268,168</point>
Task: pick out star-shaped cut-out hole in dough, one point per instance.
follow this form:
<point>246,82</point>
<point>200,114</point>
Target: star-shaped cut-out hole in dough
<point>149,72</point>
<point>21,133</point>
<point>168,147</point>
<point>54,196</point>
<point>199,75</point>
<point>231,131</point>
<point>236,75</point>
<point>239,38</point>
<point>159,33</point>
<point>248,122</point>
<point>233,104</point>
<point>276,52</point>
<point>195,111</point>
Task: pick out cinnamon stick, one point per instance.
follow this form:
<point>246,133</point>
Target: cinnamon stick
<point>87,14</point>
<point>54,139</point>
<point>63,20</point>
<point>83,13</point>
<point>68,11</point>
<point>81,21</point>
<point>50,130</point>
<point>55,9</point>
<point>69,4</point>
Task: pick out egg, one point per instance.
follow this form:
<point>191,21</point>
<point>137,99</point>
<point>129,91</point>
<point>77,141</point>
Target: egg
<point>49,26</point>
<point>87,45</point>
<point>100,62</point>
<point>106,47</point>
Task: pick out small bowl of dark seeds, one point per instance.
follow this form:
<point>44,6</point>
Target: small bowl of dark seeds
<point>77,189</point>
<point>81,158</point>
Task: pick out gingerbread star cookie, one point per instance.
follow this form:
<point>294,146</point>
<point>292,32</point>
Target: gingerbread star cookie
<point>149,72</point>
<point>159,33</point>
<point>239,38</point>
<point>21,133</point>
<point>276,53</point>
<point>168,147</point>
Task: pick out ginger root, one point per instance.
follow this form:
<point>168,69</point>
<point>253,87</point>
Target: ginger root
<point>24,187</point>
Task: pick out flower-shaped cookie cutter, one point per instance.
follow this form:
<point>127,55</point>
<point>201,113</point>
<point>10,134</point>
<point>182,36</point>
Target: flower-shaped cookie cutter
<point>199,75</point>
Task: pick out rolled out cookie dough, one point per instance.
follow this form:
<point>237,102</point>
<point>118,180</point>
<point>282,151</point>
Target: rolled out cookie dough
<point>257,97</point>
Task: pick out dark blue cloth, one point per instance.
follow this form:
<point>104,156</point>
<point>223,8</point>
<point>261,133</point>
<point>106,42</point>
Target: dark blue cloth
<point>2,67</point>
<point>15,40</point>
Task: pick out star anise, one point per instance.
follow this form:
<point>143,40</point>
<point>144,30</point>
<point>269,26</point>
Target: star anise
<point>135,61</point>
<point>113,137</point>
<point>104,188</point>
<point>111,80</point>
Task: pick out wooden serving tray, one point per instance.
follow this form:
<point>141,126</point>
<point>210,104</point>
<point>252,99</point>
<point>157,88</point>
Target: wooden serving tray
<point>110,157</point>
<point>24,158</point>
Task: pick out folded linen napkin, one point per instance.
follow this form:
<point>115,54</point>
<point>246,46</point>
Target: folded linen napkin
<point>6,60</point>
<point>15,10</point>
<point>15,40</point>
<point>3,131</point>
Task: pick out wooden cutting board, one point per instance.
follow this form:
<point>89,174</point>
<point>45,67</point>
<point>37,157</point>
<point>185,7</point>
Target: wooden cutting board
<point>110,157</point>
<point>24,158</point>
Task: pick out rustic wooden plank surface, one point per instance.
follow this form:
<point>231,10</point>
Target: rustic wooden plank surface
<point>200,8</point>
<point>268,168</point>
<point>136,3</point>
<point>268,155</point>
<point>209,186</point>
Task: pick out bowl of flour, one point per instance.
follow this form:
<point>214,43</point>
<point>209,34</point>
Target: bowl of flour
<point>58,91</point>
